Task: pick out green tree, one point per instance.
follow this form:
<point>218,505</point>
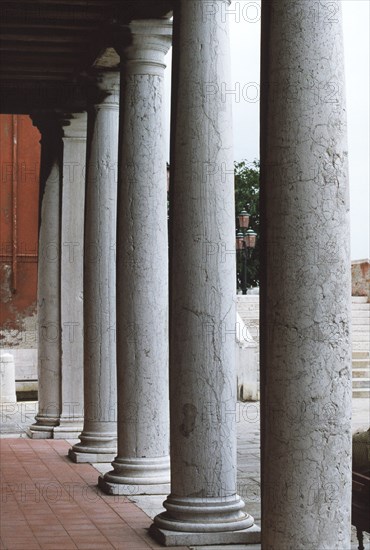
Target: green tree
<point>247,186</point>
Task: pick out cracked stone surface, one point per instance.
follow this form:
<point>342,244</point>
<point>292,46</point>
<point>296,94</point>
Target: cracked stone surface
<point>202,302</point>
<point>142,269</point>
<point>48,283</point>
<point>99,435</point>
<point>306,344</point>
<point>72,249</point>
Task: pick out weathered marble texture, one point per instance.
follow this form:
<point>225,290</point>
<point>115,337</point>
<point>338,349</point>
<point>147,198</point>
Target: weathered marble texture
<point>142,270</point>
<point>99,435</point>
<point>203,495</point>
<point>72,240</point>
<point>305,302</point>
<point>48,281</point>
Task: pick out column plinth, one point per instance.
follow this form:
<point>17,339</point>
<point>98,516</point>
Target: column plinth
<point>48,281</point>
<point>142,462</point>
<point>203,507</point>
<point>71,312</point>
<point>99,435</point>
<point>305,290</point>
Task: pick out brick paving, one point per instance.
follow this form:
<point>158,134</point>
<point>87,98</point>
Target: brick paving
<point>50,503</point>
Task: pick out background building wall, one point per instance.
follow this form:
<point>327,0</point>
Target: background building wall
<point>19,201</point>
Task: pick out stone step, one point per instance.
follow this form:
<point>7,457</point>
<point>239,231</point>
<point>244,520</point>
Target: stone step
<point>361,363</point>
<point>364,321</point>
<point>360,317</point>
<point>361,311</point>
<point>361,346</point>
<point>361,336</point>
<point>360,314</point>
<point>357,300</point>
<point>363,383</point>
<point>250,319</point>
<point>360,373</point>
<point>360,393</point>
<point>360,305</point>
<point>361,326</point>
<point>360,342</point>
<point>360,354</point>
<point>248,314</point>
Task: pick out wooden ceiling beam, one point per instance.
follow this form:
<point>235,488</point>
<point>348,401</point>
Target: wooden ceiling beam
<point>86,4</point>
<point>44,39</point>
<point>41,48</point>
<point>10,68</point>
<point>31,76</point>
<point>52,25</point>
<point>30,13</point>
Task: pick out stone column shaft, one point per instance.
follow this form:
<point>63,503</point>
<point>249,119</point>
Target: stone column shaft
<point>72,231</point>
<point>203,507</point>
<point>142,463</point>
<point>48,281</point>
<point>99,435</point>
<point>305,293</point>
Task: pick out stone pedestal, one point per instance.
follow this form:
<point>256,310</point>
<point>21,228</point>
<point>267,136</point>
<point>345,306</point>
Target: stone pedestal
<point>305,291</point>
<point>7,379</point>
<point>142,463</point>
<point>99,435</point>
<point>48,281</point>
<point>72,231</point>
<point>203,506</point>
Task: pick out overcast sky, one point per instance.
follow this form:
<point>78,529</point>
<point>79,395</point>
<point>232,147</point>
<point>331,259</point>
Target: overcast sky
<point>245,55</point>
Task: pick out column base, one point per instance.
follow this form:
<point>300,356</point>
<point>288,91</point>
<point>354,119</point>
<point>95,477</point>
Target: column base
<point>131,489</point>
<point>94,447</point>
<point>89,457</point>
<point>139,476</point>
<point>40,432</point>
<point>43,427</point>
<point>68,429</point>
<point>204,515</point>
<point>252,535</point>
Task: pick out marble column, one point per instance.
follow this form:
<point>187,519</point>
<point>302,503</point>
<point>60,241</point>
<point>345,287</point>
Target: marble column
<point>48,281</point>
<point>142,462</point>
<point>305,292</point>
<point>99,435</point>
<point>72,238</point>
<point>203,507</point>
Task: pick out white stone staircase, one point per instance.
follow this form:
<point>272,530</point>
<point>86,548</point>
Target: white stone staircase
<point>248,309</point>
<point>360,347</point>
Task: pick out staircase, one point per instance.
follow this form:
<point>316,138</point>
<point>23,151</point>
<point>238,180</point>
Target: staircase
<point>248,309</point>
<point>360,347</point>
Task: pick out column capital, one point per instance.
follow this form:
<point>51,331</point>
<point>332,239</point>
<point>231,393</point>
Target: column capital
<point>105,86</point>
<point>151,40</point>
<point>75,125</point>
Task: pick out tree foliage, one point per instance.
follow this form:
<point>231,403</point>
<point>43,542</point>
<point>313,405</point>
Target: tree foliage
<point>247,186</point>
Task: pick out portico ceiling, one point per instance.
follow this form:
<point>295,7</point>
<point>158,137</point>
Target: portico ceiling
<point>47,46</point>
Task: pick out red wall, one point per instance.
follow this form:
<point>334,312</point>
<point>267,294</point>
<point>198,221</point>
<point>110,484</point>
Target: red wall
<point>19,203</point>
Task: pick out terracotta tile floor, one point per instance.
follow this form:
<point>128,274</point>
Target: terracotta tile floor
<point>50,503</point>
